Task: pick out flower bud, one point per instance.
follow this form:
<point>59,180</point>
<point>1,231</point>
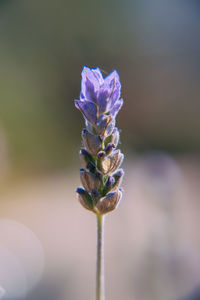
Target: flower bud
<point>110,181</point>
<point>91,142</point>
<point>86,157</point>
<point>113,138</point>
<point>95,196</point>
<point>109,148</point>
<point>95,193</point>
<point>85,198</point>
<point>102,124</point>
<point>100,157</point>
<point>91,167</point>
<point>108,185</point>
<point>112,162</point>
<point>109,203</point>
<point>110,127</point>
<point>118,176</point>
<point>89,181</point>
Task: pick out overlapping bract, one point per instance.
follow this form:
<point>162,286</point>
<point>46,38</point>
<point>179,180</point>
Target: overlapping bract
<point>101,177</point>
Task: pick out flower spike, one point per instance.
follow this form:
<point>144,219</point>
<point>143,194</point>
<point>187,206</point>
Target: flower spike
<point>101,177</point>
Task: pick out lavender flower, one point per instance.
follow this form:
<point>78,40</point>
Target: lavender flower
<point>99,96</point>
<point>99,103</point>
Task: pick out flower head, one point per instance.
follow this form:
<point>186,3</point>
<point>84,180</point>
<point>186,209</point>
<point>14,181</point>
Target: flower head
<point>99,95</point>
<point>101,177</point>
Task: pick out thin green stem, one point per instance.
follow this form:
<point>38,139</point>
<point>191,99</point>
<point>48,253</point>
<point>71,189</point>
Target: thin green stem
<point>100,293</point>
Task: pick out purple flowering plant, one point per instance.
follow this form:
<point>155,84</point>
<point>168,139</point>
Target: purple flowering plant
<point>101,175</point>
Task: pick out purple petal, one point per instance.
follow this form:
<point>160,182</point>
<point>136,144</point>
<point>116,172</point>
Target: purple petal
<point>90,84</point>
<point>97,73</point>
<point>112,82</point>
<point>115,94</point>
<point>88,109</point>
<point>102,99</point>
<point>117,106</point>
<point>112,79</point>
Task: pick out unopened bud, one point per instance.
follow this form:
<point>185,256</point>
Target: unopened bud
<point>110,127</point>
<point>95,196</point>
<point>112,162</point>
<point>85,198</point>
<point>90,181</point>
<point>91,141</point>
<point>119,173</point>
<point>108,185</point>
<point>118,176</point>
<point>113,138</point>
<point>109,203</point>
<point>91,167</point>
<point>102,124</point>
<point>109,148</point>
<point>95,193</point>
<point>101,154</point>
<point>86,157</point>
<point>100,157</point>
<point>110,181</point>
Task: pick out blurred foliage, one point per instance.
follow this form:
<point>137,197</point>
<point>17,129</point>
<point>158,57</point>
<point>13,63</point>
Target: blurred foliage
<point>43,47</point>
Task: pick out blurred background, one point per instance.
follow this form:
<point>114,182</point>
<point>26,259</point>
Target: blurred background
<point>47,244</point>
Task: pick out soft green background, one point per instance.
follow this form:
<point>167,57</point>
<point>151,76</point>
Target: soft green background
<point>154,45</point>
